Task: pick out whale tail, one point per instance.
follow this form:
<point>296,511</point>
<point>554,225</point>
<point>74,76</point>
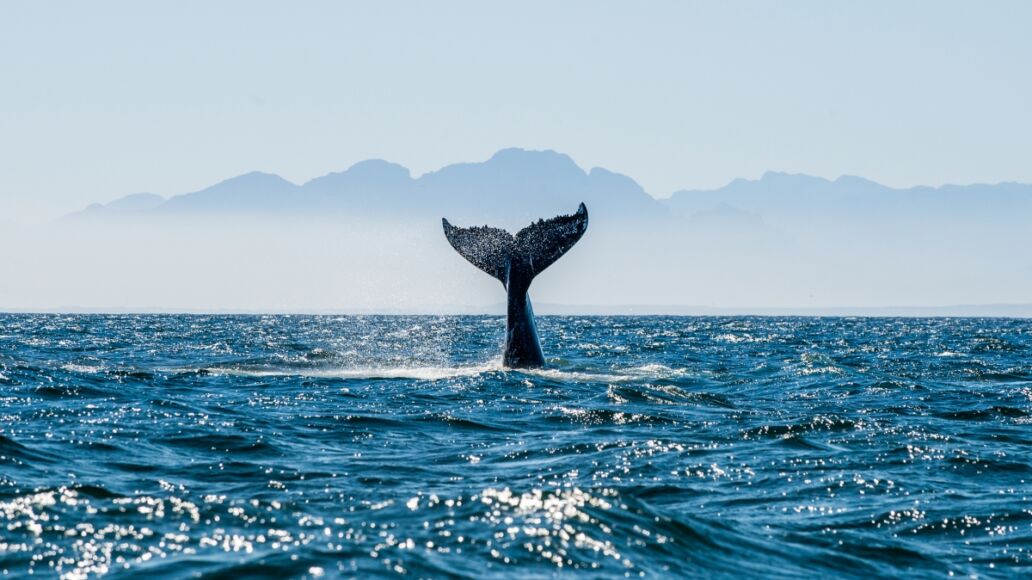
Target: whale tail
<point>515,261</point>
<point>530,251</point>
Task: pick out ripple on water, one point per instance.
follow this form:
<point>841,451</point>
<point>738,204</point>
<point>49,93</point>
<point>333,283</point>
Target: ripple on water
<point>360,446</point>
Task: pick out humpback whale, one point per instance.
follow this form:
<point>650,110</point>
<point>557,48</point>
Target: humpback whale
<point>515,261</point>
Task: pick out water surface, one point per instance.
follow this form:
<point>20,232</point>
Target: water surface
<point>652,446</point>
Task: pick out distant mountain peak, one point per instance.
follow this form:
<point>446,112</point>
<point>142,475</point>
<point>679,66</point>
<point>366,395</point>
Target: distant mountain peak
<point>536,159</point>
<point>509,153</point>
<point>252,179</point>
<point>785,178</point>
<point>375,174</point>
<point>378,167</point>
<point>855,182</point>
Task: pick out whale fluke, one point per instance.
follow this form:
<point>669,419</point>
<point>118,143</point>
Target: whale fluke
<point>486,248</point>
<point>515,261</point>
<point>546,241</point>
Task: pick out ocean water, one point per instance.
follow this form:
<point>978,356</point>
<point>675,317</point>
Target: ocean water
<point>289,446</point>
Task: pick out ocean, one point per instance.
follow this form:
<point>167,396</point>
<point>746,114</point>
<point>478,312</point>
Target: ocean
<point>358,446</point>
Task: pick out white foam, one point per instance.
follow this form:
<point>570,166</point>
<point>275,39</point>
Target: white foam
<point>649,371</point>
<point>77,368</point>
<point>426,373</point>
<point>434,373</point>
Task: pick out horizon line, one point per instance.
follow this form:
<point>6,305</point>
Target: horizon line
<point>1001,310</point>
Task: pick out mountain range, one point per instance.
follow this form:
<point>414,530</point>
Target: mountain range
<point>516,178</point>
<point>514,184</point>
<point>517,185</point>
<point>369,237</point>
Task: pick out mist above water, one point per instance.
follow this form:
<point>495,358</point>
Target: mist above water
<point>370,239</point>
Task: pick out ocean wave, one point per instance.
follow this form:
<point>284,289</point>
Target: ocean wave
<point>346,446</point>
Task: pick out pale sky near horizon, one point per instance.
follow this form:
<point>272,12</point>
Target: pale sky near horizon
<point>102,99</point>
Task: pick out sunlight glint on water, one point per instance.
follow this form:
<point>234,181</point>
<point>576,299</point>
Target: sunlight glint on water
<point>651,446</point>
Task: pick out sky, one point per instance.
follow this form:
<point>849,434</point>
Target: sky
<point>102,99</point>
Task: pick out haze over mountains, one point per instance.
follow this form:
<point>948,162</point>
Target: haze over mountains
<point>519,184</point>
<point>368,238</point>
<point>513,184</point>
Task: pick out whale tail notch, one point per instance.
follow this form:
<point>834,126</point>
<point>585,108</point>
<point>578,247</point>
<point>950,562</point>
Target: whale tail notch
<point>536,246</point>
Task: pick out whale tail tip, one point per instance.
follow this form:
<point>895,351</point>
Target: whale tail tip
<point>539,245</point>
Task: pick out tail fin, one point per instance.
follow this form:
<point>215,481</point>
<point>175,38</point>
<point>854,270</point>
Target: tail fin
<point>540,244</point>
<point>546,241</point>
<point>486,248</point>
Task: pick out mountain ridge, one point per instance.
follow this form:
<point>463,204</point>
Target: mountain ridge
<point>513,183</point>
<point>538,175</point>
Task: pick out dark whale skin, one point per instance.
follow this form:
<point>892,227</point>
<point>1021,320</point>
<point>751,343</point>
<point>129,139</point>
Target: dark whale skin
<point>515,261</point>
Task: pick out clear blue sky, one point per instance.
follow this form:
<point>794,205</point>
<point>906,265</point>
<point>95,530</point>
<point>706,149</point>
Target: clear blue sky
<point>102,99</point>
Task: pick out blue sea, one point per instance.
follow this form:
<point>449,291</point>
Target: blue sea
<point>324,446</point>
